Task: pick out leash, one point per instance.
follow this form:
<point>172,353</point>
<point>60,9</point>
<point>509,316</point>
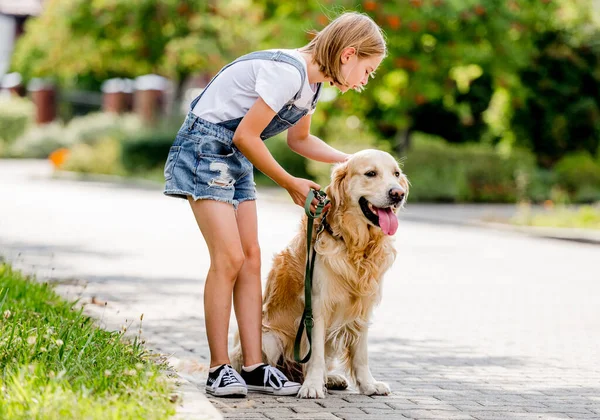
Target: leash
<point>307,316</point>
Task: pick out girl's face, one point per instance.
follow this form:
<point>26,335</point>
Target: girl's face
<point>356,71</point>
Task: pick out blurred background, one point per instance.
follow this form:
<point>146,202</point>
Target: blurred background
<point>483,101</point>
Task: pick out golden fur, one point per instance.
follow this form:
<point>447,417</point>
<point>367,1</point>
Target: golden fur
<point>346,284</point>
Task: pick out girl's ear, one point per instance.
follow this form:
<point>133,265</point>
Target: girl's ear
<point>347,53</point>
<point>337,187</point>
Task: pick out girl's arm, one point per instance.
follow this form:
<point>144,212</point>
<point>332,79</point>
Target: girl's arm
<point>247,140</point>
<point>302,142</point>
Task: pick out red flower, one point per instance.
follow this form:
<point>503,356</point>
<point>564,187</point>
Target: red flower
<point>479,10</point>
<point>370,5</point>
<point>414,26</point>
<point>394,22</point>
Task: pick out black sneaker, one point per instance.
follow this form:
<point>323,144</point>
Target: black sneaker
<point>269,380</point>
<point>225,382</point>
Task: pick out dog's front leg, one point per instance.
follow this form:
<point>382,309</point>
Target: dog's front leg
<point>360,366</point>
<point>315,370</point>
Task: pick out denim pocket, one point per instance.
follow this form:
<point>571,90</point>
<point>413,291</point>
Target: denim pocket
<point>214,147</point>
<point>171,160</point>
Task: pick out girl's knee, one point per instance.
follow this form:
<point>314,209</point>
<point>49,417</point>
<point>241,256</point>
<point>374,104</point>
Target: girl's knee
<point>252,255</point>
<point>228,263</point>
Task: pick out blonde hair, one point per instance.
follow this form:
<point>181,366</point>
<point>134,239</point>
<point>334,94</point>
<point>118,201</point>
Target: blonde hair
<point>350,29</point>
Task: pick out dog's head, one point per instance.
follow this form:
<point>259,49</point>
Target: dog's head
<point>371,187</point>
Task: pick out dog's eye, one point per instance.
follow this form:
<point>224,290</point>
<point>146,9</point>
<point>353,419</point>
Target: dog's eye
<point>397,174</point>
<point>371,174</point>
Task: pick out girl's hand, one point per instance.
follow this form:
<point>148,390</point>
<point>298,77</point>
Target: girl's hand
<point>298,189</point>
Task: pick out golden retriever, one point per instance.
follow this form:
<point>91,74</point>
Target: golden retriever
<point>352,255</point>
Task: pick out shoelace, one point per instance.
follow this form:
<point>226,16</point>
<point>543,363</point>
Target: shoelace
<point>274,373</point>
<point>228,376</point>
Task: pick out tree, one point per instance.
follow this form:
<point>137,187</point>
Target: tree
<point>560,112</point>
<point>446,59</point>
<point>82,42</point>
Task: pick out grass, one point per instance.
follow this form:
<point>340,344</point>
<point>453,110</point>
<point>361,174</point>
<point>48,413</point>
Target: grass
<point>586,217</point>
<point>56,364</point>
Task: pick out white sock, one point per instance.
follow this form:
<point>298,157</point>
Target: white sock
<point>213,369</point>
<point>251,368</point>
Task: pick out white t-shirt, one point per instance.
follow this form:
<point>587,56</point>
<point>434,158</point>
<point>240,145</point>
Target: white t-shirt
<point>236,89</point>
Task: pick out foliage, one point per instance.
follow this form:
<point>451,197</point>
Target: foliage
<point>40,141</point>
<point>442,172</point>
<point>147,150</point>
<point>57,364</point>
<point>586,217</point>
<point>346,133</point>
<point>16,115</point>
<point>454,68</point>
<point>292,162</point>
<point>579,174</point>
<point>83,43</point>
<point>103,157</point>
<point>448,55</point>
<point>561,109</point>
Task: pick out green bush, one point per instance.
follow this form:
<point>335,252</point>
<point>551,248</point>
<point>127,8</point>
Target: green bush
<point>439,171</point>
<point>542,185</point>
<point>102,157</point>
<point>292,162</point>
<point>147,150</point>
<point>16,114</point>
<point>493,177</point>
<point>434,170</point>
<point>584,217</point>
<point>346,133</point>
<point>40,141</point>
<point>579,174</point>
<point>96,126</point>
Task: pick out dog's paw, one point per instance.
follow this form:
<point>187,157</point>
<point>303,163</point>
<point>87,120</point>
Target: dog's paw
<point>375,388</point>
<point>335,381</point>
<point>312,389</point>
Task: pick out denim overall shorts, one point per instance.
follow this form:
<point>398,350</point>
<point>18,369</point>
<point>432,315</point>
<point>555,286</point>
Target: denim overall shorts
<point>203,162</point>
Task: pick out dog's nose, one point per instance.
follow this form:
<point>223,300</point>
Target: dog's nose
<point>396,195</point>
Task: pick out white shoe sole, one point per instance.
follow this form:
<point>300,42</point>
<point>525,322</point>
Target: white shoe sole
<point>292,390</point>
<point>232,391</point>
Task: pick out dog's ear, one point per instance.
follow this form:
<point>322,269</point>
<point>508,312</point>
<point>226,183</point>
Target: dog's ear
<point>335,190</point>
<point>405,183</point>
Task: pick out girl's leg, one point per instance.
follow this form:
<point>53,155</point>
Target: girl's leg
<point>247,295</point>
<point>217,222</point>
<point>247,299</point>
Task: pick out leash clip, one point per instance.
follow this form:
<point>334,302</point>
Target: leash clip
<point>320,196</point>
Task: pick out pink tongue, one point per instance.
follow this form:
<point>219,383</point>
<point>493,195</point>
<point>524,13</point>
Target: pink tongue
<point>388,222</point>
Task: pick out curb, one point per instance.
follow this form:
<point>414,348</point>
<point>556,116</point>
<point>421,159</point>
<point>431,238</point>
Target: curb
<point>587,236</point>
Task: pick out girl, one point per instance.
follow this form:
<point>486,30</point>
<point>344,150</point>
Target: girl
<point>211,165</point>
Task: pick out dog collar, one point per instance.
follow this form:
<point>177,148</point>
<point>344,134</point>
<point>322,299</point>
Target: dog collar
<point>325,225</point>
